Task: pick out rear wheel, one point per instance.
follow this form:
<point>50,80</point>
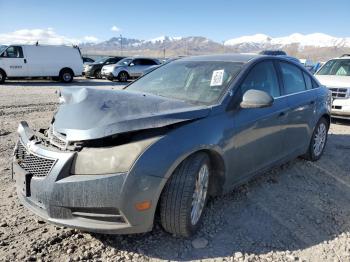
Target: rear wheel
<point>318,141</point>
<point>123,77</point>
<point>98,74</point>
<point>185,195</point>
<point>66,76</point>
<point>2,77</point>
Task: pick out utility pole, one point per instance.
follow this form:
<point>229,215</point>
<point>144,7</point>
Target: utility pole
<point>121,45</point>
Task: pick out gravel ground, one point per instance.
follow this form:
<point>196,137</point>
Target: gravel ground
<point>297,212</point>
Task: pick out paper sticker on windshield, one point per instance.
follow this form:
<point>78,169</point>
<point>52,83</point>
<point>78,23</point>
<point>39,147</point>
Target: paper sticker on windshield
<point>217,78</point>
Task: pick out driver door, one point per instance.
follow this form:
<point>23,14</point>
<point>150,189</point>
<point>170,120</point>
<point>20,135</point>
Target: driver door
<point>258,139</point>
<point>13,62</point>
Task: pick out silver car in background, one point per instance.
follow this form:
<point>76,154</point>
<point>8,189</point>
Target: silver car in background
<point>129,68</point>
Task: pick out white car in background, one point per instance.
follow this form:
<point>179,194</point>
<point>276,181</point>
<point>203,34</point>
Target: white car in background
<point>335,74</point>
<point>129,68</point>
<point>32,61</point>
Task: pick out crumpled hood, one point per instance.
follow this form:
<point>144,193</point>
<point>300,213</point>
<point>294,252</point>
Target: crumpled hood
<point>91,113</point>
<point>334,80</point>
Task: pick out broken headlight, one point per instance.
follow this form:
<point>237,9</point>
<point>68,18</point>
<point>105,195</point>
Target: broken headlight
<point>109,160</point>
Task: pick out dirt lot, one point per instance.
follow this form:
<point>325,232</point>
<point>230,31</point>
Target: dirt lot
<point>297,212</point>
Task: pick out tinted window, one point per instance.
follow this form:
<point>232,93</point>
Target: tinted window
<point>147,62</point>
<point>293,80</point>
<point>13,52</point>
<point>308,81</point>
<point>262,77</point>
<point>137,62</point>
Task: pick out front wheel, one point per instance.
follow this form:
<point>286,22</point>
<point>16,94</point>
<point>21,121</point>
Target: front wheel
<point>2,77</point>
<point>318,141</point>
<point>185,195</point>
<point>123,77</point>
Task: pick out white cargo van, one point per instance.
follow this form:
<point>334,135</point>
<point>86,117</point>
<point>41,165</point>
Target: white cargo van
<point>32,61</point>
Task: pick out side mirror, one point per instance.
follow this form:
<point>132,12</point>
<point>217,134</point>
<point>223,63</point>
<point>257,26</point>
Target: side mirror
<point>256,99</point>
<point>131,64</point>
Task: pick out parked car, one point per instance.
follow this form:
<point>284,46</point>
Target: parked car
<point>87,61</point>
<point>31,61</point>
<point>335,74</point>
<point>94,69</point>
<point>129,68</point>
<point>193,128</point>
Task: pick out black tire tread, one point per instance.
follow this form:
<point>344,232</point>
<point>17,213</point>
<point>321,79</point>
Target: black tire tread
<point>176,198</point>
<point>309,154</point>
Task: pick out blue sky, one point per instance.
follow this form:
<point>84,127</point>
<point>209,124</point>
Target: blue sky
<point>217,19</point>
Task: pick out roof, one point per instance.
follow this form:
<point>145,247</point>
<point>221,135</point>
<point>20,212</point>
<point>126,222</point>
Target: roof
<point>243,58</point>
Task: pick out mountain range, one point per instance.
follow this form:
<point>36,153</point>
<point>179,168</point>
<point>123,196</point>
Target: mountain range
<point>315,46</point>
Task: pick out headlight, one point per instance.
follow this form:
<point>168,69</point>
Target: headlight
<point>109,160</point>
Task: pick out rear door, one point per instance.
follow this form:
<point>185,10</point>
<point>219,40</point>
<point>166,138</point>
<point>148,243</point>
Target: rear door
<point>259,132</point>
<point>297,87</point>
<point>13,62</point>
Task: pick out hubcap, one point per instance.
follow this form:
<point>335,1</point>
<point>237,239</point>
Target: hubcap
<point>0,76</point>
<point>199,194</point>
<point>67,77</point>
<point>320,139</point>
<point>123,77</point>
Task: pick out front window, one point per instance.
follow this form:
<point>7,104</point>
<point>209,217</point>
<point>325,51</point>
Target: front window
<point>124,62</point>
<point>2,48</point>
<point>13,52</point>
<point>200,82</point>
<point>339,67</point>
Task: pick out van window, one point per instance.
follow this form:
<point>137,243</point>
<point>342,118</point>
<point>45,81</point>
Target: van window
<point>262,77</point>
<point>13,52</point>
<point>293,80</point>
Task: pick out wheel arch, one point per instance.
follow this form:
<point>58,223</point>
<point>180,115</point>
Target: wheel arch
<point>68,69</point>
<point>1,69</point>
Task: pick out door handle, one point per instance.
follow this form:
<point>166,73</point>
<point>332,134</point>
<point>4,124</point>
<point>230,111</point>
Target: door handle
<point>25,61</point>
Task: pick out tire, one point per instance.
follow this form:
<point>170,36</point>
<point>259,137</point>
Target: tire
<point>66,76</point>
<point>318,141</point>
<point>2,77</point>
<point>97,74</point>
<point>177,208</point>
<point>123,76</point>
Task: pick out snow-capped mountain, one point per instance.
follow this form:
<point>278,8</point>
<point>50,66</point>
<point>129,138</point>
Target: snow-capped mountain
<point>314,40</point>
<point>317,46</point>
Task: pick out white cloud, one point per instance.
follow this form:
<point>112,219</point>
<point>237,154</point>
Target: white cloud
<point>115,29</point>
<point>44,36</point>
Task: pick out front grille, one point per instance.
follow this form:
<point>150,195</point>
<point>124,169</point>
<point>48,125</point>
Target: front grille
<point>339,92</point>
<point>57,139</point>
<point>36,165</point>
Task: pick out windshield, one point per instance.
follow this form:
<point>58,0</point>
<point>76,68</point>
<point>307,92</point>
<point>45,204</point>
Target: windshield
<point>200,82</point>
<point>124,61</point>
<point>339,67</point>
<point>101,60</point>
<point>2,48</point>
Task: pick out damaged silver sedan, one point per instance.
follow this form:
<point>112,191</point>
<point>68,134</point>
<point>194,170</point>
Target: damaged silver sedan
<point>113,160</point>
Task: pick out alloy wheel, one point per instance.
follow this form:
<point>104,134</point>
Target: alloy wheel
<point>199,194</point>
<point>320,139</point>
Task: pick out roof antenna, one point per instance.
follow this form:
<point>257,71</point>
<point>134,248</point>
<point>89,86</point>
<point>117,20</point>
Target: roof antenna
<point>37,43</point>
